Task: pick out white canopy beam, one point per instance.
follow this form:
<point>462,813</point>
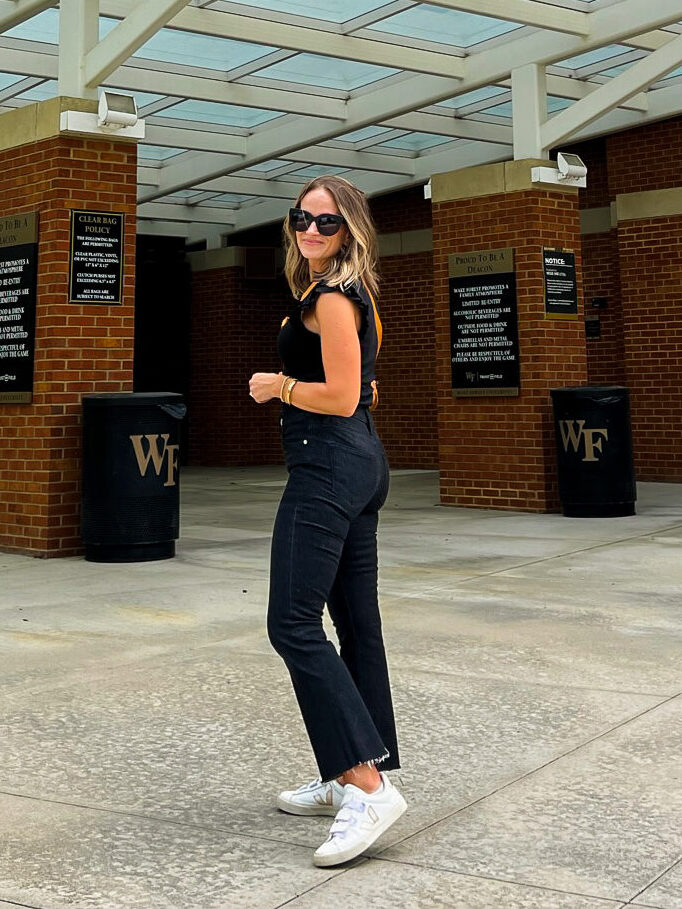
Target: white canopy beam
<point>144,20</point>
<point>454,127</point>
<point>529,102</point>
<point>637,77</point>
<point>14,12</point>
<point>169,211</point>
<point>78,34</point>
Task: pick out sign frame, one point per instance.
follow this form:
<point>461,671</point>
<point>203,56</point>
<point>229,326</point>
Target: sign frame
<point>86,225</point>
<point>484,336</point>
<point>18,302</point>
<point>560,283</point>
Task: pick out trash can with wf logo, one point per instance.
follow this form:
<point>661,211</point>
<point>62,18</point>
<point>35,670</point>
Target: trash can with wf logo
<point>131,504</point>
<point>594,451</point>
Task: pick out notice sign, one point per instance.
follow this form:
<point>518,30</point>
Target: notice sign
<point>96,259</point>
<point>561,289</point>
<point>483,323</point>
<point>18,279</point>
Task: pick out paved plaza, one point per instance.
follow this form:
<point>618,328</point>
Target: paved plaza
<point>146,724</point>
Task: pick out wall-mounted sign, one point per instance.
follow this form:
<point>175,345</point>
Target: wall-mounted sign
<point>592,327</point>
<point>18,280</point>
<point>561,289</point>
<point>483,323</point>
<point>96,257</point>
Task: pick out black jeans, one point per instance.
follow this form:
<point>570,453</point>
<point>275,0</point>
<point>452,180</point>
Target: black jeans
<point>324,550</point>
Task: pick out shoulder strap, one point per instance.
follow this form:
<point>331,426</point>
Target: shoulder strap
<point>377,320</point>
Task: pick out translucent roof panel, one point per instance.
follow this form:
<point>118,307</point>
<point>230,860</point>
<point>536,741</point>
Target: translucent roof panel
<point>175,46</point>
<point>317,170</point>
<point>7,79</point>
<point>328,72</point>
<point>446,26</point>
<point>595,56</point>
<point>223,114</point>
<point>266,166</point>
<point>359,135</point>
<point>328,10</point>
<point>43,27</point>
<point>41,92</point>
<point>480,94</point>
<point>416,141</point>
<point>500,110</point>
<point>158,152</point>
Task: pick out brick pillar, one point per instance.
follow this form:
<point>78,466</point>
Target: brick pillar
<point>79,348</point>
<point>499,452</point>
<point>650,252</point>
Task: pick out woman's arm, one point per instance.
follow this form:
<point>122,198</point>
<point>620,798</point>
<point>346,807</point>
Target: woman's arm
<point>335,316</point>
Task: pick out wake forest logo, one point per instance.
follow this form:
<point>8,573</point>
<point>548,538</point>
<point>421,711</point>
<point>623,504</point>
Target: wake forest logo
<point>573,432</point>
<point>157,455</point>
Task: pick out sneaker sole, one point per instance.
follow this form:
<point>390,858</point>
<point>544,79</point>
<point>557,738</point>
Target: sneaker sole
<point>305,810</point>
<point>338,858</point>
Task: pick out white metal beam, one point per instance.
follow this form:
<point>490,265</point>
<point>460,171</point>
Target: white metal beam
<point>14,12</point>
<point>78,34</point>
<point>529,102</point>
<point>639,76</point>
<point>144,20</point>
<point>168,211</point>
<point>454,127</point>
<point>575,89</point>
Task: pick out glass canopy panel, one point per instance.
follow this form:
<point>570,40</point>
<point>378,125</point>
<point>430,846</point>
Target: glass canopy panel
<point>40,92</point>
<point>327,10</point>
<point>317,170</point>
<point>595,56</point>
<point>223,114</point>
<point>43,27</point>
<point>417,141</point>
<point>174,46</point>
<point>445,26</point>
<point>7,79</point>
<point>328,72</point>
<point>233,198</point>
<point>556,104</point>
<point>266,166</point>
<point>359,135</point>
<point>480,94</point>
<point>158,152</point>
<point>499,110</point>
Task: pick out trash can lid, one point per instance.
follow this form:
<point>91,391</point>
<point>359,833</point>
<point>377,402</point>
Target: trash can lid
<point>130,399</point>
<point>587,390</point>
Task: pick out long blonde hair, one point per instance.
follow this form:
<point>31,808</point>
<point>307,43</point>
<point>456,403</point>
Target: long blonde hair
<point>357,258</point>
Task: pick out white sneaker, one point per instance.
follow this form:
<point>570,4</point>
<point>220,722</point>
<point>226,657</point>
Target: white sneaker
<point>312,798</point>
<point>362,819</point>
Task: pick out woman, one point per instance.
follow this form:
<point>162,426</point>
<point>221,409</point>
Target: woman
<point>324,541</point>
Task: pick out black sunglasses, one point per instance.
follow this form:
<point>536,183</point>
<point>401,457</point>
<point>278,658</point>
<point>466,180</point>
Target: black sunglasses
<point>327,225</point>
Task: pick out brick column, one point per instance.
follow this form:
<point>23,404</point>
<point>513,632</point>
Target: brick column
<point>650,252</point>
<point>79,348</point>
<point>499,452</point>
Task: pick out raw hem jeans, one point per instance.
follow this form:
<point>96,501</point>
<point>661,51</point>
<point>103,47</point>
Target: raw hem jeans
<point>324,550</point>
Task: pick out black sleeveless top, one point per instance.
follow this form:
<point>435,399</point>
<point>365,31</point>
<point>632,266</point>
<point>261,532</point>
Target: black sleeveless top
<point>301,350</point>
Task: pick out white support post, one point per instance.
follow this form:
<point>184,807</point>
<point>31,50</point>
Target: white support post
<point>529,101</point>
<point>78,33</point>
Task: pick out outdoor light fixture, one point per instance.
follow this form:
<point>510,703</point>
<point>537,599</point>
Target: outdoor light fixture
<point>571,171</point>
<point>116,114</point>
<point>116,111</point>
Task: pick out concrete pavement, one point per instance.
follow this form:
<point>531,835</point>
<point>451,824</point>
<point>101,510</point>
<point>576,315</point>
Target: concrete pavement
<point>146,724</point>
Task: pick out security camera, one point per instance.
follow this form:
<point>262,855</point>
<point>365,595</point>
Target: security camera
<point>116,111</point>
<point>571,167</point>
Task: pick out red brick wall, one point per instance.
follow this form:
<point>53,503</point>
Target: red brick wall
<point>406,369</point>
<point>651,276</point>
<point>404,210</point>
<point>601,278</point>
<point>79,349</point>
<point>500,452</point>
<point>649,157</point>
<point>234,334</point>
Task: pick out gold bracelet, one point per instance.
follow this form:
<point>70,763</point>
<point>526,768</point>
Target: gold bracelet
<point>285,379</point>
<point>287,391</point>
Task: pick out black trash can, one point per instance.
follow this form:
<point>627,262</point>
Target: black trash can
<point>131,504</point>
<point>594,451</point>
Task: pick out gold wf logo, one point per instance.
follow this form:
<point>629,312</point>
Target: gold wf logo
<point>573,432</point>
<point>157,455</point>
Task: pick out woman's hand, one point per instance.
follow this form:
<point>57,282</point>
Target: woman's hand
<point>264,386</point>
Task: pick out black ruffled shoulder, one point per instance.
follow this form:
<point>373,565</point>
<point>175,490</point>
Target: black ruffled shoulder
<point>355,292</point>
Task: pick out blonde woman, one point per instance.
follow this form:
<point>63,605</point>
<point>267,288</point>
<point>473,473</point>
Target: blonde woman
<point>324,547</point>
